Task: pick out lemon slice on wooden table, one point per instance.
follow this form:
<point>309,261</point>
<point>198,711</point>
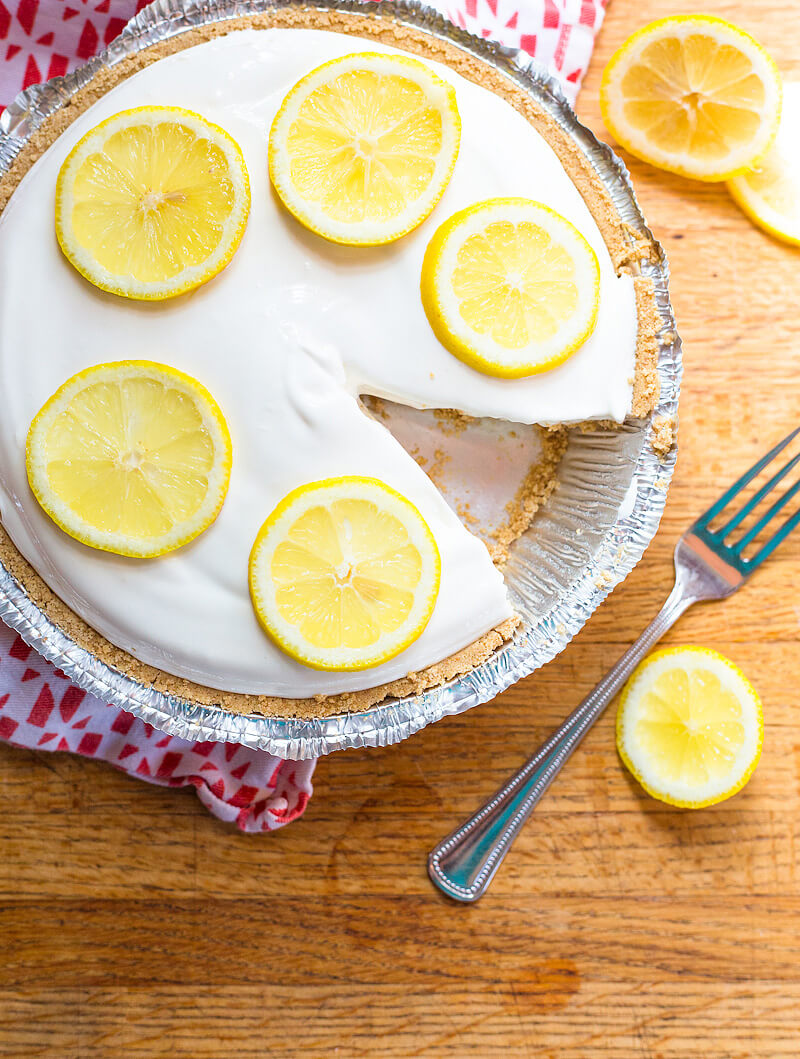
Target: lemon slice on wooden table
<point>690,727</point>
<point>344,573</point>
<point>770,193</point>
<point>692,94</point>
<point>152,202</point>
<point>510,287</point>
<point>363,147</point>
<point>131,457</point>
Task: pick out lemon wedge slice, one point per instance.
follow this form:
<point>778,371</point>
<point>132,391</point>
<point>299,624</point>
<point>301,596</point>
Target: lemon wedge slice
<point>510,287</point>
<point>692,94</point>
<point>152,202</point>
<point>770,193</point>
<point>363,147</point>
<point>344,574</point>
<point>132,457</point>
<point>690,727</point>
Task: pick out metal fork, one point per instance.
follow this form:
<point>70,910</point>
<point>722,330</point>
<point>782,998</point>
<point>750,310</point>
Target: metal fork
<point>706,568</point>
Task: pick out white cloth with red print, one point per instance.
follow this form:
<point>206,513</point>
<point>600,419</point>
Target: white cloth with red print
<point>39,708</point>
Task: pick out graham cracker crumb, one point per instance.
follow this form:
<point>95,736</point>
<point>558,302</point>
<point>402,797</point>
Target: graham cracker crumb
<point>663,436</point>
<point>646,386</point>
<point>451,421</point>
<point>538,484</point>
<point>373,406</point>
<point>640,248</point>
<point>434,472</point>
<point>594,426</point>
<point>464,512</point>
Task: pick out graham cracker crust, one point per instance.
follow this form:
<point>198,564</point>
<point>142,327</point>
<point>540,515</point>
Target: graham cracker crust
<point>539,483</point>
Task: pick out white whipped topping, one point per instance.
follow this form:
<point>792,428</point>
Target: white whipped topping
<point>285,339</point>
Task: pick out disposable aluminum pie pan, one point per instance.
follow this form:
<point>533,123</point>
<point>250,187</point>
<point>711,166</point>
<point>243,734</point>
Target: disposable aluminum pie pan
<point>587,538</point>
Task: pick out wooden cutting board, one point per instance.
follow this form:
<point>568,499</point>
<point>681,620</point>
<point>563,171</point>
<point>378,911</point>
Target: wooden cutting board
<point>134,924</point>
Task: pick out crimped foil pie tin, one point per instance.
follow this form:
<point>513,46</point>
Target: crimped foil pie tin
<point>588,537</point>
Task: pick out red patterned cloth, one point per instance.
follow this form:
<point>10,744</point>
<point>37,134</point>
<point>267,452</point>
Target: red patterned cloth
<point>40,39</point>
<point>559,33</point>
<point>39,708</point>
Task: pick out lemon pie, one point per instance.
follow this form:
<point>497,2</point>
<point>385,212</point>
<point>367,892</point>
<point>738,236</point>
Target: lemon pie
<point>284,314</point>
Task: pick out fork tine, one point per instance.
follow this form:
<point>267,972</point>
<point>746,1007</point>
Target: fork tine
<point>774,541</point>
<point>747,477</point>
<point>766,518</point>
<point>756,499</point>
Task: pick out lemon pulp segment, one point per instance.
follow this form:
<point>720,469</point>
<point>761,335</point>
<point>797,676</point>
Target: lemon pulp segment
<point>344,574</point>
<point>692,94</point>
<point>363,147</point>
<point>770,192</point>
<point>152,202</point>
<point>510,287</point>
<point>690,726</point>
<point>131,457</point>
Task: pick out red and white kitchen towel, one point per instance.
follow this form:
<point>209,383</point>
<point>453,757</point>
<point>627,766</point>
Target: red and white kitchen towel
<point>40,39</point>
<point>39,708</point>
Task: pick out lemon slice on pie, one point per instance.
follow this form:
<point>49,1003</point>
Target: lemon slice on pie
<point>363,147</point>
<point>132,457</point>
<point>770,193</point>
<point>510,287</point>
<point>152,202</point>
<point>692,94</point>
<point>344,574</point>
<point>690,727</point>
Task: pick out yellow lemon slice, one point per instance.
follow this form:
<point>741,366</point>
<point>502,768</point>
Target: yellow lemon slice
<point>510,287</point>
<point>692,94</point>
<point>690,727</point>
<point>363,147</point>
<point>132,457</point>
<point>152,202</point>
<point>344,574</point>
<point>770,193</point>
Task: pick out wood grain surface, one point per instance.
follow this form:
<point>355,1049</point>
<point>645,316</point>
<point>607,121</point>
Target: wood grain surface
<point>134,924</point>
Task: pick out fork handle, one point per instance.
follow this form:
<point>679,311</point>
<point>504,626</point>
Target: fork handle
<point>464,863</point>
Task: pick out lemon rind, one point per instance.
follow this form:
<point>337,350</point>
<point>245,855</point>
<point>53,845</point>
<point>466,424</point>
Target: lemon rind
<point>121,544</point>
<point>315,220</point>
<point>431,284</point>
<point>752,204</point>
<point>195,276</point>
<point>607,103</point>
<point>336,659</point>
<point>759,217</point>
<point>631,687</point>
